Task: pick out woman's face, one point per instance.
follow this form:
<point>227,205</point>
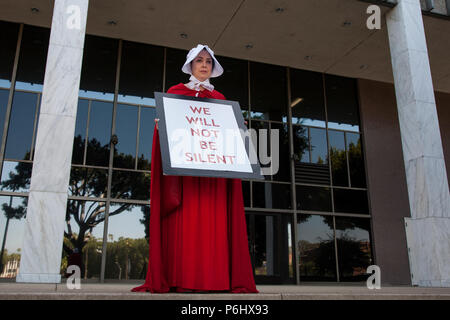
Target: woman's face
<point>202,66</point>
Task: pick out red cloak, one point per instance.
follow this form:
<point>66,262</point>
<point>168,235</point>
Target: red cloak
<point>198,234</point>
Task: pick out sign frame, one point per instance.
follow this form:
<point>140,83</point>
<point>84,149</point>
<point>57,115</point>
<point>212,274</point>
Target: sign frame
<point>164,142</point>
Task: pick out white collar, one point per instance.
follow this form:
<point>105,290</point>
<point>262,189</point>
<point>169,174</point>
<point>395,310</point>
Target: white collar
<point>194,84</point>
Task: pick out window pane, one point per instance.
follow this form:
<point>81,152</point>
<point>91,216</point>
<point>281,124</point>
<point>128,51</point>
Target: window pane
<point>32,59</point>
<point>99,133</point>
<point>319,150</point>
<point>307,98</point>
<point>147,126</point>
<point>126,131</point>
<point>315,248</point>
<point>342,105</point>
<point>127,252</point>
<point>98,73</point>
<point>268,97</point>
<point>233,83</point>
<point>246,193</point>
<point>12,227</point>
<point>356,160</point>
<point>284,161</point>
<point>313,198</point>
<point>338,158</point>
<point>174,61</point>
<point>271,195</point>
<point>259,127</point>
<point>130,185</point>
<point>16,176</point>
<point>4,95</point>
<point>8,34</point>
<point>301,143</point>
<point>80,131</point>
<point>88,182</point>
<point>83,237</point>
<point>141,72</point>
<point>21,124</point>
<point>267,255</point>
<point>354,250</point>
<point>351,201</point>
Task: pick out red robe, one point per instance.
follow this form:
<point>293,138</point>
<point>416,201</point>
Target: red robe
<point>198,234</point>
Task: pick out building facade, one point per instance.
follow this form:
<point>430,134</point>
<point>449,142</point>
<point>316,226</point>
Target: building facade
<point>75,167</point>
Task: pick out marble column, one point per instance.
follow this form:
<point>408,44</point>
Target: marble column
<point>42,245</point>
<point>428,229</point>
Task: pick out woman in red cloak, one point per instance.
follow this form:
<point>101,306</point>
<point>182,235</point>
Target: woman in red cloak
<point>198,236</point>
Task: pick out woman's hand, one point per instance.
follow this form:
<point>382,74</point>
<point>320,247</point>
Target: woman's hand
<point>156,122</point>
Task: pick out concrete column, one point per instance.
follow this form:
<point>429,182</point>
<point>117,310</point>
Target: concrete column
<point>428,229</point>
<point>47,201</point>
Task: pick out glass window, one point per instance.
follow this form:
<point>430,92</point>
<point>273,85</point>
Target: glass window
<point>246,193</point>
<point>356,160</point>
<point>88,182</point>
<point>315,248</point>
<point>80,131</point>
<point>4,95</point>
<point>126,131</point>
<point>284,161</point>
<point>33,58</point>
<point>233,83</point>
<point>174,61</point>
<point>258,127</point>
<point>21,125</point>
<point>146,128</point>
<point>313,198</point>
<point>354,249</point>
<point>338,157</point>
<point>271,195</point>
<point>127,251</point>
<point>141,73</point>
<point>307,102</point>
<point>8,34</point>
<point>268,97</point>
<point>83,237</point>
<point>301,143</point>
<point>130,185</point>
<point>99,135</point>
<point>16,176</point>
<point>342,105</point>
<point>98,73</point>
<point>319,150</point>
<point>350,201</point>
<point>12,226</point>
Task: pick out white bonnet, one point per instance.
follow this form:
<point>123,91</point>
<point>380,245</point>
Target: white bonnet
<point>217,71</point>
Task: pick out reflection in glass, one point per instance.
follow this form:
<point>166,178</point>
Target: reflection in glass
<point>8,34</point>
<point>319,150</point>
<point>80,132</point>
<point>127,251</point>
<point>33,58</point>
<point>315,248</point>
<point>12,225</point>
<point>356,160</point>
<point>130,185</point>
<point>271,195</point>
<point>338,157</point>
<point>16,176</point>
<point>233,83</point>
<point>351,201</point>
<point>174,61</point>
<point>83,237</point>
<point>99,133</point>
<point>301,143</point>
<point>21,124</point>
<point>354,250</point>
<point>4,95</point>
<point>307,98</point>
<point>88,182</point>
<point>141,72</point>
<point>268,97</point>
<point>258,128</point>
<point>284,161</point>
<point>342,104</point>
<point>98,73</point>
<point>146,128</point>
<point>246,193</point>
<point>126,131</point>
<point>313,198</point>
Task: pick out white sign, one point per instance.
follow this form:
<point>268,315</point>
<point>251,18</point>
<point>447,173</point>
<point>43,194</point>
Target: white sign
<point>204,135</point>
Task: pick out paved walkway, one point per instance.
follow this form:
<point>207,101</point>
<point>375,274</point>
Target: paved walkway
<point>121,291</point>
